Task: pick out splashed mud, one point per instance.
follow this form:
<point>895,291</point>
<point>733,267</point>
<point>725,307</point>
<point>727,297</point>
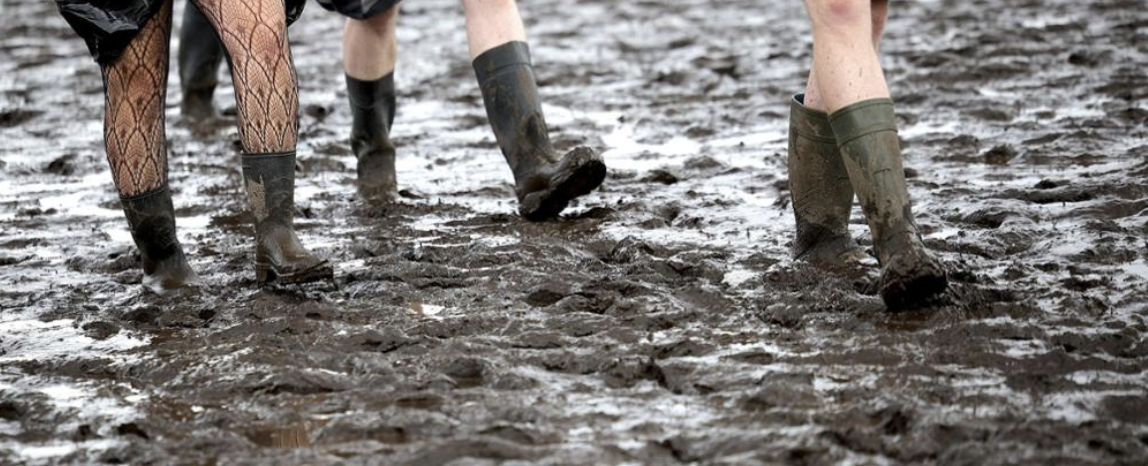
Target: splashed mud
<point>660,321</point>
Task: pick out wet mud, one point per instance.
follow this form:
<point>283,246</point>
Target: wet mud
<point>660,321</point>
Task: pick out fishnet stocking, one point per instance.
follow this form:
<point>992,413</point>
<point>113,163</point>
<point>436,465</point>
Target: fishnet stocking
<point>136,85</point>
<point>254,33</point>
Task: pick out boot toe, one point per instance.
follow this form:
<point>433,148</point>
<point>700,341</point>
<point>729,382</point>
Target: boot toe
<point>578,173</point>
<point>376,176</point>
<point>375,193</point>
<point>171,275</point>
<point>911,279</point>
<point>835,252</point>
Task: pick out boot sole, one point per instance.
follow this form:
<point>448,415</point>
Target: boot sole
<point>585,171</point>
<point>267,274</point>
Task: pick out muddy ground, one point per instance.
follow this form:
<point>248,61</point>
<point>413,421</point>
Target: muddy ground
<point>660,321</point>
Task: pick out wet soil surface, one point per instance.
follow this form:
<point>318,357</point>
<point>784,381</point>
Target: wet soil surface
<point>660,321</point>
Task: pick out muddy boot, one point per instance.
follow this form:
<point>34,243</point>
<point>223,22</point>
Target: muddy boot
<point>200,54</point>
<point>151,218</point>
<point>270,183</point>
<point>373,112</point>
<point>544,182</point>
<point>867,135</point>
<point>822,193</point>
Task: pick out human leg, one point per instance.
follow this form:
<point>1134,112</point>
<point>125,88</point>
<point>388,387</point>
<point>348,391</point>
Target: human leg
<point>545,181</point>
<point>853,88</point>
<point>200,54</point>
<point>136,85</point>
<point>254,34</point>
<point>369,54</point>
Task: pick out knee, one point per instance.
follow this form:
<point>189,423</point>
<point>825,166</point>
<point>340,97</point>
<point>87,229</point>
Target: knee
<point>840,13</point>
<point>480,5</point>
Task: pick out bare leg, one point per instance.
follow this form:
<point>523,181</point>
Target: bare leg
<point>879,11</point>
<point>847,69</point>
<point>369,46</point>
<point>490,23</point>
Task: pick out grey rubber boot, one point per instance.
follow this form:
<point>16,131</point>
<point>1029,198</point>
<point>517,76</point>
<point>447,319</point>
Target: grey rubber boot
<point>270,183</point>
<point>545,182</point>
<point>200,54</point>
<point>151,218</point>
<point>821,191</point>
<point>373,113</point>
<point>867,135</point>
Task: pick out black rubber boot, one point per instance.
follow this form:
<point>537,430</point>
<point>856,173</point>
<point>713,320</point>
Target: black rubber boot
<point>270,183</point>
<point>545,183</point>
<point>373,113</point>
<point>200,54</point>
<point>867,135</point>
<point>151,218</point>
<point>821,191</point>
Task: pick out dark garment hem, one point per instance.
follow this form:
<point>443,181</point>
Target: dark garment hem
<point>108,26</point>
<point>358,9</point>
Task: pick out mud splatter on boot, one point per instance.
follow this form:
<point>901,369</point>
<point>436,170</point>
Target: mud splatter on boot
<point>867,135</point>
<point>270,183</point>
<point>373,113</point>
<point>151,218</point>
<point>545,183</point>
<point>821,191</point>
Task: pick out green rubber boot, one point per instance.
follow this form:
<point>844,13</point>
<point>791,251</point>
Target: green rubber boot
<point>545,182</point>
<point>867,135</point>
<point>821,191</point>
<point>279,256</point>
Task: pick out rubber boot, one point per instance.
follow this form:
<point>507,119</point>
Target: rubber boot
<point>544,182</point>
<point>373,113</point>
<point>867,136</point>
<point>200,54</point>
<point>151,218</point>
<point>279,256</point>
<point>821,191</point>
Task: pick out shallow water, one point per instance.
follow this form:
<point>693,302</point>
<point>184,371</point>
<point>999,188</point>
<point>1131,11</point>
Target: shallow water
<point>660,321</point>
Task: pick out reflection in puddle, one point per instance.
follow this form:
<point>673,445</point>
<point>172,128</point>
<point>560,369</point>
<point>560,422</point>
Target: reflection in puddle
<point>291,436</point>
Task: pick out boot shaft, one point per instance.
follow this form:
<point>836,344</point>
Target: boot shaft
<point>270,183</point>
<point>151,218</point>
<point>372,111</point>
<point>510,92</point>
<point>819,184</point>
<point>269,179</point>
<point>867,134</point>
<point>818,180</point>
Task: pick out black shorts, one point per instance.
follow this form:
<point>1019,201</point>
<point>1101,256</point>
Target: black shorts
<point>108,26</point>
<point>358,9</point>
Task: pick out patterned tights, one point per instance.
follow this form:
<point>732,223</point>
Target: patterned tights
<point>254,34</point>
